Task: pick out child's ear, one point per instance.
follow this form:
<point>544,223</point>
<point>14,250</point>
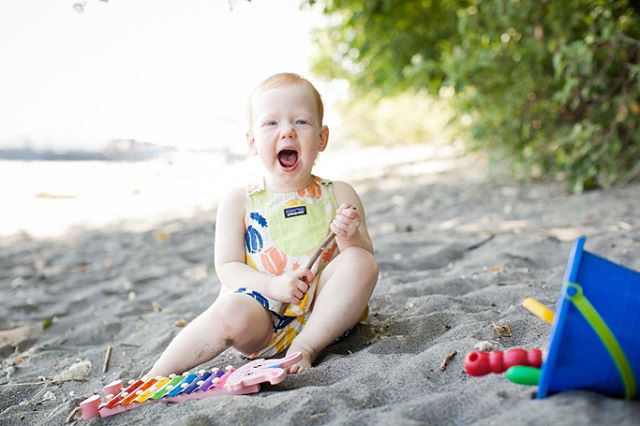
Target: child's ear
<point>324,137</point>
<point>251,143</point>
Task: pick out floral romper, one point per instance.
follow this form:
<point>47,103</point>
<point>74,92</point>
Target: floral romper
<point>283,230</point>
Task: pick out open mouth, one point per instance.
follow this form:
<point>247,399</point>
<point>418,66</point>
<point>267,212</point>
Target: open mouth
<point>288,158</point>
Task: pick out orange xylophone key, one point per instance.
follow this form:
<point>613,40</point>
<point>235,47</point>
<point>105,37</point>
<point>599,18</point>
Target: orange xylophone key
<point>136,393</point>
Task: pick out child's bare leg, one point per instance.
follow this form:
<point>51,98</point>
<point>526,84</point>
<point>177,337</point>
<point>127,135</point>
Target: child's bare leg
<point>232,320</point>
<point>343,292</point>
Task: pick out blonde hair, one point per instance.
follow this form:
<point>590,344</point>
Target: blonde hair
<point>280,80</point>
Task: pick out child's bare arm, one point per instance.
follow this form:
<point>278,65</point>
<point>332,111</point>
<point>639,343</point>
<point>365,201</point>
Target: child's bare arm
<point>349,225</point>
<point>229,255</point>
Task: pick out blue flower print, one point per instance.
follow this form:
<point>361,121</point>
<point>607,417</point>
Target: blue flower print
<point>258,218</point>
<point>257,296</point>
<point>253,240</point>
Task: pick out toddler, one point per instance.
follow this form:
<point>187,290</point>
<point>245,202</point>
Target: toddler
<point>269,302</point>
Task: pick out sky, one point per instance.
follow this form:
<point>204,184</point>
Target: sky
<point>161,71</point>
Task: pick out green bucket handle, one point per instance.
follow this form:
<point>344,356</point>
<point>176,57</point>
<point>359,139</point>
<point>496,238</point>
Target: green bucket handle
<point>573,292</point>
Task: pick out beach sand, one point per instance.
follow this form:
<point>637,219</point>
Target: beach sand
<point>458,252</point>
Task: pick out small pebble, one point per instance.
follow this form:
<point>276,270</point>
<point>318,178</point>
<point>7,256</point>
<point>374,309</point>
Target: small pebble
<point>485,346</point>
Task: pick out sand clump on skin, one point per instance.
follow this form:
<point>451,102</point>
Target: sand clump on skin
<point>439,237</point>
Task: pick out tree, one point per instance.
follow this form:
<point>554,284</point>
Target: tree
<point>553,86</point>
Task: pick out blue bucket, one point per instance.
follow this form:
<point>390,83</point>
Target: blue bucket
<point>595,337</point>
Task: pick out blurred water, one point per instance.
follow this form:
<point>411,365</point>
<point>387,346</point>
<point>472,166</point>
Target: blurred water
<point>46,198</point>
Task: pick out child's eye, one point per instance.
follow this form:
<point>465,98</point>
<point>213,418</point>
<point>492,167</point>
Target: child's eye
<point>302,122</point>
<point>270,123</point>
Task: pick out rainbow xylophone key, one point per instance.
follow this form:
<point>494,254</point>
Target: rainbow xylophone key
<point>178,388</point>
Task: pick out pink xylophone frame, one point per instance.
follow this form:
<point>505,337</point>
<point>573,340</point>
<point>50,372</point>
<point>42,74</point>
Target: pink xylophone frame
<point>241,381</point>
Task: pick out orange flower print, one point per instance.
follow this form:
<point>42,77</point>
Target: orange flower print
<point>295,266</point>
<point>313,190</point>
<point>274,261</point>
<point>328,254</point>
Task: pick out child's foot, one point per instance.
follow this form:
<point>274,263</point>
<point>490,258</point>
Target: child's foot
<point>300,366</point>
<point>308,356</point>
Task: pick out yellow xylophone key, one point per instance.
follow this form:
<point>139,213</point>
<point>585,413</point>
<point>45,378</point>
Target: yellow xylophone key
<point>161,381</point>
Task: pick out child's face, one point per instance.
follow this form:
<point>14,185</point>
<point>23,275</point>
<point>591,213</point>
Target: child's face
<point>287,135</point>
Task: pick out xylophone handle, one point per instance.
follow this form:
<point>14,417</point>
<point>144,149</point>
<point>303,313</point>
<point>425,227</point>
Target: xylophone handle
<point>113,388</point>
<point>89,408</point>
<point>479,363</point>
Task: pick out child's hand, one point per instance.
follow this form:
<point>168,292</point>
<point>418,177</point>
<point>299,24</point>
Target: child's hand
<point>346,223</point>
<point>291,287</point>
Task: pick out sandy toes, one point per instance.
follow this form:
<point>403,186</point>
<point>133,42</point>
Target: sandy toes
<point>304,364</point>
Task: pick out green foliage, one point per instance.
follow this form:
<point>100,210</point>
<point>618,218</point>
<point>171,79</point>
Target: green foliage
<point>552,86</point>
<point>405,118</point>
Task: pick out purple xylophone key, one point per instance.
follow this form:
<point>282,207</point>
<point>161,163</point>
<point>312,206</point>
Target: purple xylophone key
<point>212,380</point>
<point>198,382</point>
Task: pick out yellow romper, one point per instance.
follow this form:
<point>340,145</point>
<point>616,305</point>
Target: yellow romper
<point>282,231</point>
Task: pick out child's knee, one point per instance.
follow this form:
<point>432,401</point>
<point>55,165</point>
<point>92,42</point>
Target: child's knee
<point>371,264</point>
<point>363,259</point>
<point>235,315</point>
<point>364,264</point>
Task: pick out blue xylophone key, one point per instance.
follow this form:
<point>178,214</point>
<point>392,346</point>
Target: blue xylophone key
<point>183,385</point>
<point>197,382</point>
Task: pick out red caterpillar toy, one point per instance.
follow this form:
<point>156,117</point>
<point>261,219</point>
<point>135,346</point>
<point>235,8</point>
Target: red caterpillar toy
<point>479,363</point>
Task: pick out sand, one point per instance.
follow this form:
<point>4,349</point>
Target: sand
<point>458,250</point>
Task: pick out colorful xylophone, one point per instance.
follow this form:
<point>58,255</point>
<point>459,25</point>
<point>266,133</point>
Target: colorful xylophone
<point>178,388</point>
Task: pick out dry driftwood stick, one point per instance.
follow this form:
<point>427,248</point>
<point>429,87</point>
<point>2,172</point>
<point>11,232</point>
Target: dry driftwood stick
<point>322,248</point>
<point>447,359</point>
<point>319,251</point>
<point>480,243</point>
<point>72,414</point>
<point>44,382</point>
<point>107,357</point>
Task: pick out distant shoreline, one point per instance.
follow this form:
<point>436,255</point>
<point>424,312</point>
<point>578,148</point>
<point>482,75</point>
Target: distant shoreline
<point>115,150</point>
<point>33,155</point>
<point>50,198</point>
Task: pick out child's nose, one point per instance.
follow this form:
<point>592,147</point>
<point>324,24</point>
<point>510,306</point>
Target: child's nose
<point>288,132</point>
